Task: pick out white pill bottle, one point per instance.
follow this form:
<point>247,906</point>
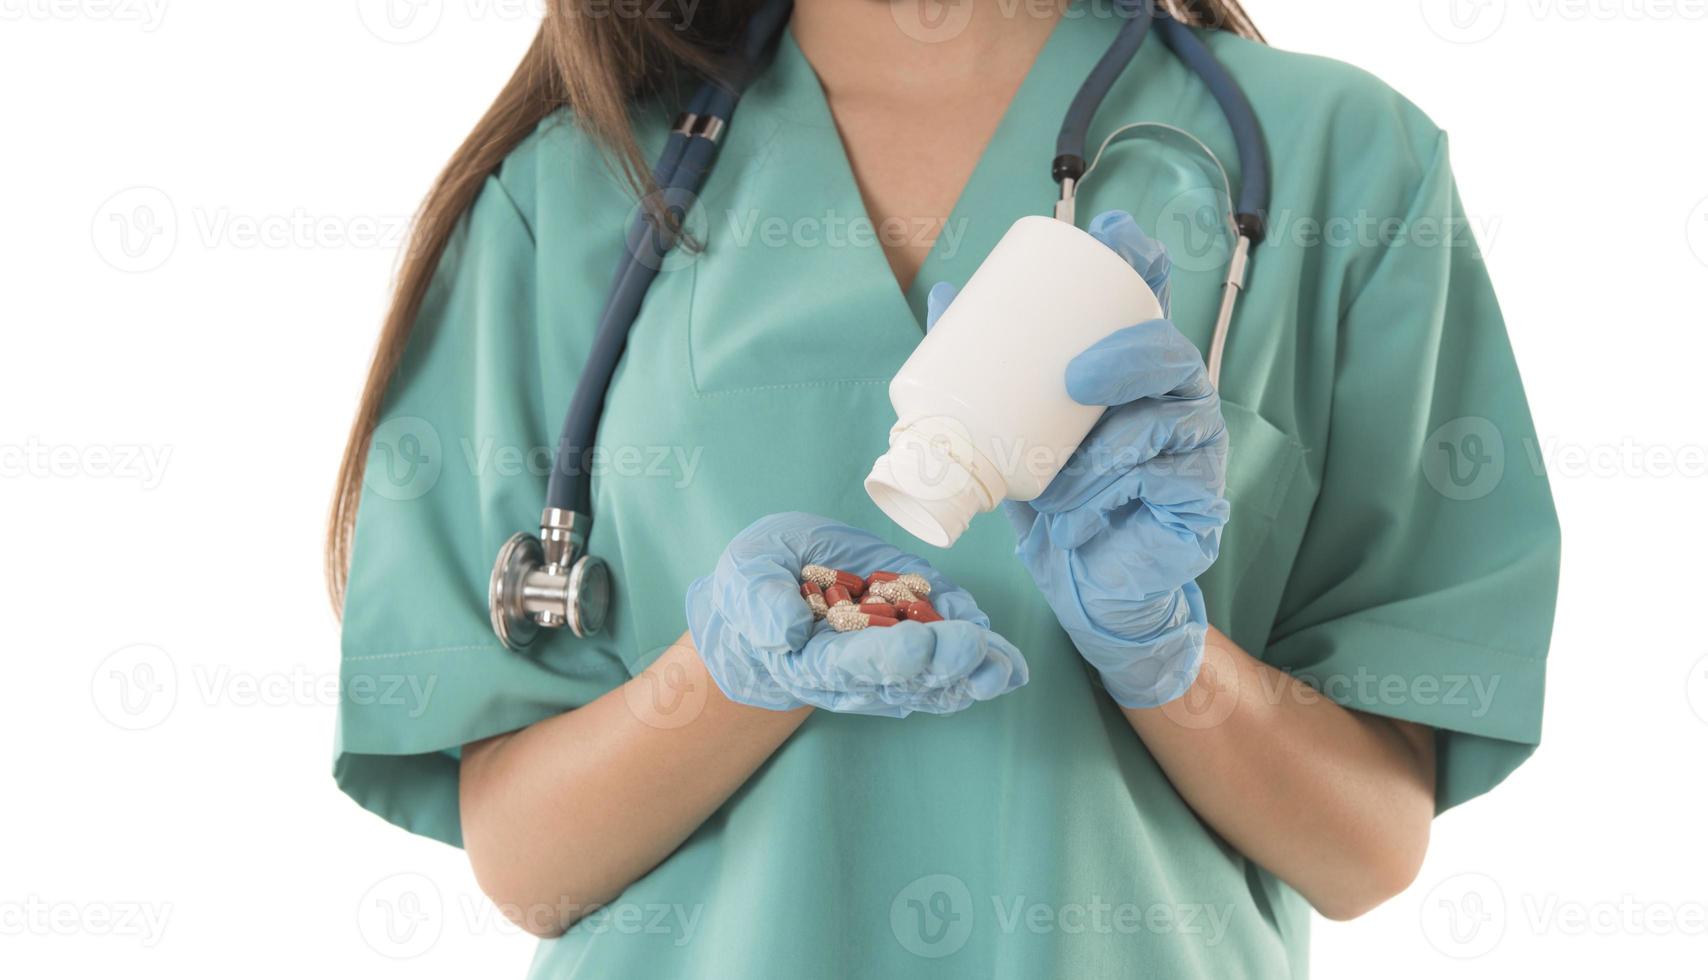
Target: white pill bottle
<point>982,409</point>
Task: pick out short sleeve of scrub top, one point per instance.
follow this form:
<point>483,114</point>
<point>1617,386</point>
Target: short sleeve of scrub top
<point>1389,543</point>
<point>1424,586</point>
<point>456,467</point>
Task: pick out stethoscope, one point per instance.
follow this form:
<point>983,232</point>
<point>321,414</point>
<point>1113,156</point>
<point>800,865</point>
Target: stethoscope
<point>549,581</point>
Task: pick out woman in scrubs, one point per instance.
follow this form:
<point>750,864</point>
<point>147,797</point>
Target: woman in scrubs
<point>1378,613</point>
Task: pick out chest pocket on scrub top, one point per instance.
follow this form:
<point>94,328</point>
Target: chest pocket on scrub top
<point>782,301</point>
<point>1265,465</point>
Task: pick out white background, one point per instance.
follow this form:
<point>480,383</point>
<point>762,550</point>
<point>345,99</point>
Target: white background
<point>276,151</point>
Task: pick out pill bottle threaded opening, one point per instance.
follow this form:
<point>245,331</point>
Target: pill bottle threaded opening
<point>932,481</point>
<point>935,529</point>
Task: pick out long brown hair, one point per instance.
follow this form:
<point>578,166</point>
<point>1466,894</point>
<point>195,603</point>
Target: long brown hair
<point>595,63</point>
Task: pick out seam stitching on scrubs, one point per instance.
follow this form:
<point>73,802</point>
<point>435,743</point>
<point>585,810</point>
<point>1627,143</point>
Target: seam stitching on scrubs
<point>1277,493</point>
<point>1279,484</point>
<point>763,147</point>
<point>515,208</point>
<point>693,294</point>
<point>1281,481</point>
<point>1373,620</point>
<point>1365,619</point>
<point>469,648</point>
<point>1436,161</point>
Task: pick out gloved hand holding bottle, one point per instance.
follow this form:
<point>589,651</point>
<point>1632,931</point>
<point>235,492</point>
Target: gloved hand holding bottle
<point>762,646</point>
<point>1117,538</point>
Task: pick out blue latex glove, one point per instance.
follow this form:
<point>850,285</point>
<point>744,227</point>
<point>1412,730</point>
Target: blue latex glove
<point>1116,539</point>
<point>758,638</point>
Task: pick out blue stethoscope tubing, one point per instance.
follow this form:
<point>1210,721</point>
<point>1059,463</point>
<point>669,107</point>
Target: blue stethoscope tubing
<point>1252,203</point>
<point>688,155</point>
<point>1069,164</point>
<point>551,580</point>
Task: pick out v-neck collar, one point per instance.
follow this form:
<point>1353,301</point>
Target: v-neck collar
<point>785,122</point>
<point>1012,177</point>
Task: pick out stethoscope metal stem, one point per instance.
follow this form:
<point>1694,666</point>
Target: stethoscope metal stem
<point>1231,289</point>
<point>1064,204</point>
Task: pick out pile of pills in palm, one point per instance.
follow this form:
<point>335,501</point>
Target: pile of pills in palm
<point>849,602</point>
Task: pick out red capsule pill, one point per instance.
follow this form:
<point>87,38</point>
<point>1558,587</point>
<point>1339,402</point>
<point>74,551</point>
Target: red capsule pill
<point>836,595</point>
<point>920,611</point>
<point>810,588</point>
<point>879,609</point>
<point>881,621</point>
<point>882,577</point>
<point>848,580</point>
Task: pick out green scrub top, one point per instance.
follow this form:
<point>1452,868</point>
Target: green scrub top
<point>1388,542</point>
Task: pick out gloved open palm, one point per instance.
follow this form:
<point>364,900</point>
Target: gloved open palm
<point>1117,538</point>
<point>760,643</point>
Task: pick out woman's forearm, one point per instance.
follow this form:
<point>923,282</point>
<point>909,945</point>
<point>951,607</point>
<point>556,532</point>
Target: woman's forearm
<point>1335,802</point>
<point>564,814</point>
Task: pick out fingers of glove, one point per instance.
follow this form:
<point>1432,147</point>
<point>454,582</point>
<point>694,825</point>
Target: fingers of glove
<point>1144,641</point>
<point>760,597</point>
<point>867,658</point>
<point>938,300</point>
<point>1146,255</point>
<point>1132,594</point>
<point>936,667</point>
<point>756,585</point>
<point>1131,435</point>
<point>1098,586</point>
<point>1002,669</point>
<point>1181,493</point>
<point>762,647</point>
<point>1163,665</point>
<point>733,666</point>
<point>812,677</point>
<point>1141,361</point>
<point>954,603</point>
<point>932,667</point>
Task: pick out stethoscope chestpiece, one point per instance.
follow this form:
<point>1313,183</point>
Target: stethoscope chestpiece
<point>589,595</point>
<point>520,557</point>
<point>548,582</point>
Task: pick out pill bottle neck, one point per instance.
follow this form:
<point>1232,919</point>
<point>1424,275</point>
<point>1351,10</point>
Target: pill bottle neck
<point>933,480</point>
